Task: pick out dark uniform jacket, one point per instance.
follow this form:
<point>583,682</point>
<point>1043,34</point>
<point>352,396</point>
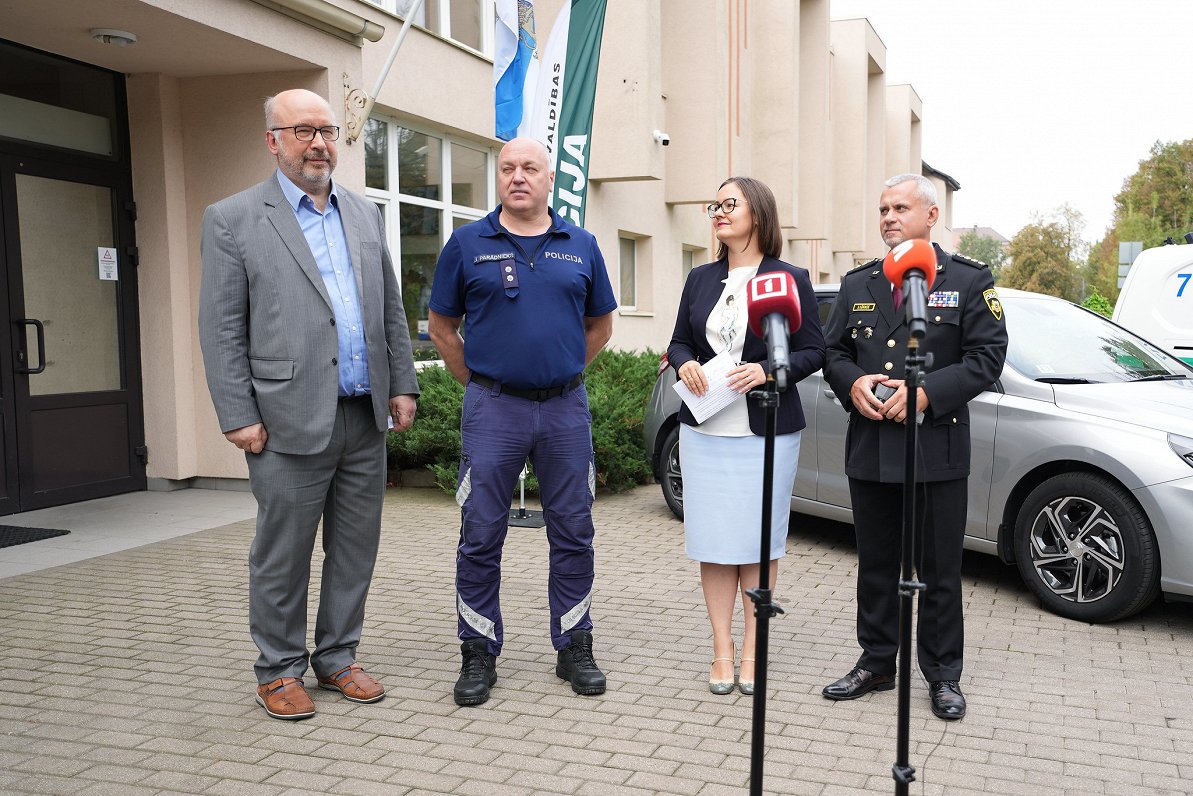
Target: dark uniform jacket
<point>967,338</point>
<point>689,341</point>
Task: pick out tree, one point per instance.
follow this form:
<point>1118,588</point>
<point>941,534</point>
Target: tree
<point>990,251</point>
<point>1156,202</point>
<point>1098,303</point>
<point>1046,256</point>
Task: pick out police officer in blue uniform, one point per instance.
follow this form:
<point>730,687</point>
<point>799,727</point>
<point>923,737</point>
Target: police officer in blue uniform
<point>536,305</point>
<point>866,340</point>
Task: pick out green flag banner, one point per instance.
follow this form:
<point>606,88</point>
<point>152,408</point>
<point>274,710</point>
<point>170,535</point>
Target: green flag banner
<point>563,105</point>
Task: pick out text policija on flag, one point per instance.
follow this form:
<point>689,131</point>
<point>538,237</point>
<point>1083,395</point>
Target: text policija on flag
<point>548,92</point>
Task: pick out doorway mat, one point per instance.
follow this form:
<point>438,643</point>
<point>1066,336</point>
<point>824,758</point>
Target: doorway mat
<point>11,535</point>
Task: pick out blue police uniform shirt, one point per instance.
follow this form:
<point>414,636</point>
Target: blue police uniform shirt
<point>325,236</point>
<point>523,309</point>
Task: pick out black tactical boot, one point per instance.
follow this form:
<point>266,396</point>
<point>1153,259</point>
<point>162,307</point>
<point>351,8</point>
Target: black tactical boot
<point>478,673</point>
<point>577,666</point>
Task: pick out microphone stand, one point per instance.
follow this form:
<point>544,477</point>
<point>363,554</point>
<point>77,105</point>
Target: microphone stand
<point>902,770</point>
<point>764,608</point>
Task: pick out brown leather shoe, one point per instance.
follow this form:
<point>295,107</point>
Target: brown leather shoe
<point>286,698</point>
<point>354,684</point>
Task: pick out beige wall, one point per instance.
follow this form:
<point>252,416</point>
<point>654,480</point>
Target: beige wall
<point>904,109</point>
<point>695,58</point>
<point>813,220</point>
<point>629,103</point>
<point>433,80</point>
<point>943,232</point>
<point>167,331</point>
<point>858,130</point>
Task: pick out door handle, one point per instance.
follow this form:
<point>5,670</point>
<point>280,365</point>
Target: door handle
<point>41,346</point>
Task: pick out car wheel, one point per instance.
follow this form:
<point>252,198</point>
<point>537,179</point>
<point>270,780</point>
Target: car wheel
<point>672,479</point>
<point>1086,549</point>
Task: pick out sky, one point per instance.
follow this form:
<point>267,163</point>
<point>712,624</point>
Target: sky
<point>1032,105</point>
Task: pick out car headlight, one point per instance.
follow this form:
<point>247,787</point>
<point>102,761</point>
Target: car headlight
<point>1183,446</point>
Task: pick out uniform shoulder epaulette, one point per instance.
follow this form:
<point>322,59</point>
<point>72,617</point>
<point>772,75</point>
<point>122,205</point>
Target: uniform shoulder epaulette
<point>876,262</point>
<point>961,258</point>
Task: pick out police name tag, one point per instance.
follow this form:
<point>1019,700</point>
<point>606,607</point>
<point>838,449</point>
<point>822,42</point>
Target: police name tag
<point>945,298</point>
<point>863,308</point>
<point>489,258</point>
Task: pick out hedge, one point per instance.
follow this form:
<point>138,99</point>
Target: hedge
<point>618,382</point>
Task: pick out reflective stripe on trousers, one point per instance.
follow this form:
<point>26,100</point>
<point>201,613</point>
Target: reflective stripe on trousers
<point>498,433</point>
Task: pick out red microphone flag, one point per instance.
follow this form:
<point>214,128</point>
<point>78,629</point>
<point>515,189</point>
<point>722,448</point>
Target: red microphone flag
<point>769,293</point>
<point>910,255</point>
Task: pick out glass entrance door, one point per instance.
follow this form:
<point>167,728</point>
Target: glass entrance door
<point>71,403</point>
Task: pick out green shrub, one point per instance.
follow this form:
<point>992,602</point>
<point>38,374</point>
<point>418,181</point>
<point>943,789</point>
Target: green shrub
<point>618,382</point>
<point>434,439</point>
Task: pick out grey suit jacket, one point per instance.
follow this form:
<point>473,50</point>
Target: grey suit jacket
<point>266,325</point>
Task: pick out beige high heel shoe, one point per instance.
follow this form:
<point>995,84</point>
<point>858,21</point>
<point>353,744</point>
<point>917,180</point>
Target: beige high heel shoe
<point>722,687</point>
<point>746,686</point>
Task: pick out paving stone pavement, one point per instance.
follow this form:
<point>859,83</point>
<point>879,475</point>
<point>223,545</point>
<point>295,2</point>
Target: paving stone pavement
<point>132,674</point>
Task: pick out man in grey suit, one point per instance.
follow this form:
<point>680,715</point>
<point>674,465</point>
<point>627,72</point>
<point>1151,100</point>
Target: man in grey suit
<point>308,357</point>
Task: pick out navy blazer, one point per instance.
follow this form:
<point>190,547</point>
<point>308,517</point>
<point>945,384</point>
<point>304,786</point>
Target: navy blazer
<point>967,339</point>
<point>700,293</point>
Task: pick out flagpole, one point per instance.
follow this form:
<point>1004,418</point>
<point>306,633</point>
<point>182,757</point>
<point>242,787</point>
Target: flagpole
<point>352,135</point>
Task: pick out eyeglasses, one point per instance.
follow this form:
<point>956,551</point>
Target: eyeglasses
<point>304,132</point>
<point>727,207</point>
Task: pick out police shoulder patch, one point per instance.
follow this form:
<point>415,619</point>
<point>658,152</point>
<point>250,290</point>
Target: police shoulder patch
<point>991,297</point>
<point>961,258</point>
<point>877,261</point>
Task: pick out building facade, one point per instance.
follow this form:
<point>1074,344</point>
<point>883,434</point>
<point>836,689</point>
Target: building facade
<point>121,120</point>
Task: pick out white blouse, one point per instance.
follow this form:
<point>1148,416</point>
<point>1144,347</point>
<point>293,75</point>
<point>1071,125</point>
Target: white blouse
<point>726,331</point>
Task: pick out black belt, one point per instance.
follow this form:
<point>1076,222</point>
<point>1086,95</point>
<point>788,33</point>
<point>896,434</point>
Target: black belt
<point>349,398</point>
<point>544,394</point>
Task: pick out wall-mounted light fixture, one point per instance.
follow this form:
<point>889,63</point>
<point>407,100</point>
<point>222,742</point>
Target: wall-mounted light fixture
<point>121,38</point>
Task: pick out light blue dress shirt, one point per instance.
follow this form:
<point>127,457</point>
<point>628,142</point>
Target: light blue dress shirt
<point>325,236</point>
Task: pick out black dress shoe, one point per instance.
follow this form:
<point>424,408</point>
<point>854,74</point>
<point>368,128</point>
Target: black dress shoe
<point>576,665</point>
<point>478,673</point>
<point>947,700</point>
<point>858,683</point>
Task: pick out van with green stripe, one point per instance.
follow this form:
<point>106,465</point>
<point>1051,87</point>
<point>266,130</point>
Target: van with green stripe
<point>1156,301</point>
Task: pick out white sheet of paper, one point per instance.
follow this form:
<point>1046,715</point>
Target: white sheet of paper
<point>719,393</point>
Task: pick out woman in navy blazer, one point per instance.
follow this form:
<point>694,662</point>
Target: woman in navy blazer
<point>721,458</point>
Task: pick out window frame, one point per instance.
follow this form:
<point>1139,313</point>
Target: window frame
<point>622,238</point>
<point>686,251</point>
<point>488,12</point>
<point>448,211</point>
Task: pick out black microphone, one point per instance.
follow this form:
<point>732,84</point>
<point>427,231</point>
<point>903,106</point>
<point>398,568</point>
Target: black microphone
<point>912,267</point>
<point>772,306</point>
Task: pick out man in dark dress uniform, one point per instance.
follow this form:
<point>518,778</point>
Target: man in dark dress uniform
<point>866,341</point>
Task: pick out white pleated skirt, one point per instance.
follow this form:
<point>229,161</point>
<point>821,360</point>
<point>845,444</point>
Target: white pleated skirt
<point>722,495</point>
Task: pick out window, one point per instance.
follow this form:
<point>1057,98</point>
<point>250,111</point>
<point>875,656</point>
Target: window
<point>427,185</point>
<point>687,264</point>
<point>628,270</point>
<point>469,22</point>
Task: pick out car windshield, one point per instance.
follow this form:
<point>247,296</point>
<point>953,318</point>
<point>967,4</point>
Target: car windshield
<point>1055,341</point>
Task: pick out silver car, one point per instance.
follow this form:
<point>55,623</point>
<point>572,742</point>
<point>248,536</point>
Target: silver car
<point>1082,469</point>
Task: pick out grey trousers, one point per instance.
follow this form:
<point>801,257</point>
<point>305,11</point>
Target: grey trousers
<point>345,485</point>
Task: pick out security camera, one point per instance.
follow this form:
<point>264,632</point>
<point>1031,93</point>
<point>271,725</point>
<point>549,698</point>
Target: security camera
<point>662,137</point>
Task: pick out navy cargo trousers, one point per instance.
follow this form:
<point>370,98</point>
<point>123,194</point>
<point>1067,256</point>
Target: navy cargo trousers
<point>499,431</point>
